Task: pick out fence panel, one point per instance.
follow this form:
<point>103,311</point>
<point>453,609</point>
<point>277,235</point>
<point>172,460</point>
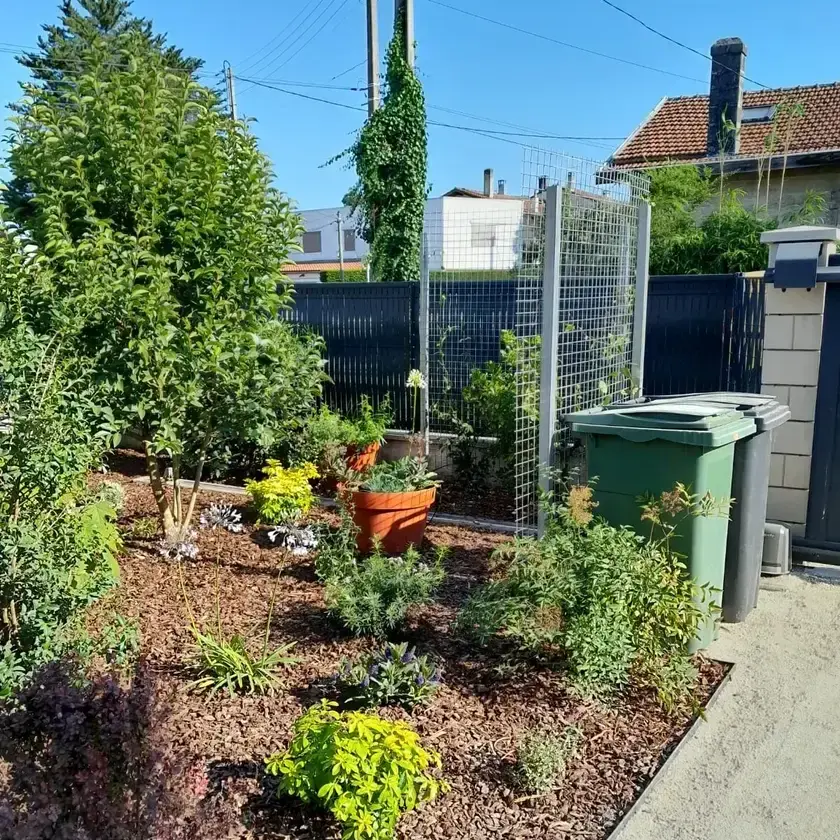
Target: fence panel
<point>371,336</point>
<point>704,333</point>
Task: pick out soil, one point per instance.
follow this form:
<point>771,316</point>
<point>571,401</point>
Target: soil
<point>214,749</point>
<point>484,503</point>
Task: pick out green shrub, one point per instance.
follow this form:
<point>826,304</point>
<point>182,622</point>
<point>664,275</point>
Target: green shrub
<point>327,435</point>
<point>112,492</point>
<point>285,495</point>
<point>352,275</point>
<point>119,643</point>
<point>337,549</point>
<point>541,758</point>
<point>227,663</point>
<point>392,676</point>
<point>611,603</point>
<point>400,476</point>
<point>365,770</point>
<point>374,596</point>
<point>58,541</point>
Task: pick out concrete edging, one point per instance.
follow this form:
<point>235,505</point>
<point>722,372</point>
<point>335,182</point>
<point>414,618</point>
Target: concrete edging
<point>666,765</point>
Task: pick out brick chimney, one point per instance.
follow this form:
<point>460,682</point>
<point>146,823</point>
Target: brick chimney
<point>488,183</point>
<point>726,94</point>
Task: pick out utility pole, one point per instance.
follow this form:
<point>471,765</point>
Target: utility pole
<point>231,90</point>
<point>406,8</point>
<point>340,245</point>
<point>372,57</point>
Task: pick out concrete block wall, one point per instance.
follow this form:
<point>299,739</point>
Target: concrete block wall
<point>791,364</point>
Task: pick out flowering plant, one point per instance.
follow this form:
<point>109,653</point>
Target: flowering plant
<point>391,676</point>
<point>221,516</point>
<point>299,541</point>
<point>285,495</point>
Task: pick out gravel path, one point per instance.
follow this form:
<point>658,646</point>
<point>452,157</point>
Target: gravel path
<point>766,763</point>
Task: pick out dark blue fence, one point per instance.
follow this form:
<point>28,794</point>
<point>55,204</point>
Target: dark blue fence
<point>704,333</point>
<point>371,333</point>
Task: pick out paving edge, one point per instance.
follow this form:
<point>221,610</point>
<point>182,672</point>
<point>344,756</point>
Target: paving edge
<point>434,519</point>
<point>666,765</point>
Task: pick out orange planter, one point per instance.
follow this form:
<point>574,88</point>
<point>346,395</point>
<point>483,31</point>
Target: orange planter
<point>360,460</point>
<point>398,519</point>
<point>357,460</point>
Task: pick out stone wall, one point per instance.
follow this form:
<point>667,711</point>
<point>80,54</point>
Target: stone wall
<point>792,340</point>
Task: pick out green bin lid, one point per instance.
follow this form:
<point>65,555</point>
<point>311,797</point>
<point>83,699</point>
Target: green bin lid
<point>691,422</point>
<point>767,411</point>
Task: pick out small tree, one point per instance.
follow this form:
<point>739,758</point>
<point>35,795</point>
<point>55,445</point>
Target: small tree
<point>163,241</point>
<point>390,157</point>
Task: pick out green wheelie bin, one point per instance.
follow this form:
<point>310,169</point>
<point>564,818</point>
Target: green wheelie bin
<point>641,450</point>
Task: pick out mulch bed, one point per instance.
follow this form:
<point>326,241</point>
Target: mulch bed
<point>216,748</point>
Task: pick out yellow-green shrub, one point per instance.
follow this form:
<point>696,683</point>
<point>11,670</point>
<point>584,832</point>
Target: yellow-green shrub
<point>366,770</point>
<point>285,494</point>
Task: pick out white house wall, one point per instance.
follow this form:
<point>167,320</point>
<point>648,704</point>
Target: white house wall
<point>461,234</point>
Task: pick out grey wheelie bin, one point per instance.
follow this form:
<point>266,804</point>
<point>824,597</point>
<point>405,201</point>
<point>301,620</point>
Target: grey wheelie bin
<point>638,449</point>
<point>750,480</point>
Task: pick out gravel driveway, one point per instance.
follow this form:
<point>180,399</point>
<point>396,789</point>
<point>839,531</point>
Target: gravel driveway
<point>767,761</point>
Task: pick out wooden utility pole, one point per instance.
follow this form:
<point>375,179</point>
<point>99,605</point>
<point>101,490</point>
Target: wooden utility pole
<point>340,245</point>
<point>231,89</point>
<point>406,8</point>
<point>372,56</point>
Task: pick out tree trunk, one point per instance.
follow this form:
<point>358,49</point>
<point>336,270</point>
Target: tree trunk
<point>158,490</point>
<point>199,469</point>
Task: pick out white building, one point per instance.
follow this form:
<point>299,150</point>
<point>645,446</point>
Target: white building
<point>464,230</point>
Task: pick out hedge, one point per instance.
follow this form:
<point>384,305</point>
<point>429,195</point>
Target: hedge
<point>353,275</point>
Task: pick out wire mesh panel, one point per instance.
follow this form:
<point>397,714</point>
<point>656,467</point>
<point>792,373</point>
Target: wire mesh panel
<point>472,256</point>
<point>598,219</point>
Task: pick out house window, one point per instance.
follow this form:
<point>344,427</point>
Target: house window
<point>312,242</point>
<point>764,113</point>
<point>482,235</point>
<point>349,239</point>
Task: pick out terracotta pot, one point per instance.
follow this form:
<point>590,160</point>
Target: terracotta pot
<point>359,460</point>
<point>398,519</point>
<point>363,459</point>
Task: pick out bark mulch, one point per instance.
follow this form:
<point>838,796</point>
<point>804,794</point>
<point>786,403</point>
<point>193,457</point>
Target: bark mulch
<point>215,749</point>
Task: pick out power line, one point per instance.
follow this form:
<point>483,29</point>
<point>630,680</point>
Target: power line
<point>312,9</point>
<point>484,132</point>
<point>318,32</point>
<point>565,43</point>
<point>675,41</point>
<point>349,70</point>
<point>280,34</point>
<point>15,50</point>
<point>275,63</point>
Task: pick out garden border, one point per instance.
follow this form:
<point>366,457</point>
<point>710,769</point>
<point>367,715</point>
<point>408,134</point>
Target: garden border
<point>666,765</point>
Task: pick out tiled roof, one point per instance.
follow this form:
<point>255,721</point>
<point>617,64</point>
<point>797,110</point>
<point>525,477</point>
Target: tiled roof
<point>333,265</point>
<point>677,129</point>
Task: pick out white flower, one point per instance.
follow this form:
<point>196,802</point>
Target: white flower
<point>179,547</point>
<point>298,541</point>
<point>222,516</point>
<point>416,380</point>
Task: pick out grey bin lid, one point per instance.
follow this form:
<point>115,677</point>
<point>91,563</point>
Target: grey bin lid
<point>767,412</point>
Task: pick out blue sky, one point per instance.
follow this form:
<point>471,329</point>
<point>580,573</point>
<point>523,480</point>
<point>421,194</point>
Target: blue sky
<point>466,65</point>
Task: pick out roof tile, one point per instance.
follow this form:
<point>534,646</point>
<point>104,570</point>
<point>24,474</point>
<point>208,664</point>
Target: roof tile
<point>677,129</point>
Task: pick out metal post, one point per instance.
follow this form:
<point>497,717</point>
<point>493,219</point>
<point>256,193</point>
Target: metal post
<point>637,363</point>
<point>372,57</point>
<point>550,340</point>
<point>340,245</point>
<point>406,7</point>
<point>231,89</point>
<point>423,333</point>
